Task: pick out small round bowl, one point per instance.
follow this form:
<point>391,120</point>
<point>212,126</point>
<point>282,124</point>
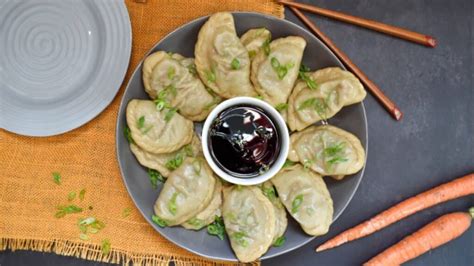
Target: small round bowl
<point>279,123</point>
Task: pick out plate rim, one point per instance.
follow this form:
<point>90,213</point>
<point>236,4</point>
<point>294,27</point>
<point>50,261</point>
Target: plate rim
<point>122,8</point>
<point>119,135</point>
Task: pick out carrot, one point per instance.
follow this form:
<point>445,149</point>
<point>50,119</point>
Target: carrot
<point>457,188</point>
<point>431,236</point>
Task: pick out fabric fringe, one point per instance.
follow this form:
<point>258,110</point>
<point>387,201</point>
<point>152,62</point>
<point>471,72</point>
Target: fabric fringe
<point>90,251</point>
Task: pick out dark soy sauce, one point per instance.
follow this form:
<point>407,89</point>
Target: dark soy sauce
<point>244,141</point>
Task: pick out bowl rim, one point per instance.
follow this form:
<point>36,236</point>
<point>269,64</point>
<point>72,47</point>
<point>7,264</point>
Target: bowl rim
<point>118,134</point>
<point>277,119</point>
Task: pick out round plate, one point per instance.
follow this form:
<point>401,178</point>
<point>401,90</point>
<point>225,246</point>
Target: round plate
<point>182,40</point>
<point>61,62</point>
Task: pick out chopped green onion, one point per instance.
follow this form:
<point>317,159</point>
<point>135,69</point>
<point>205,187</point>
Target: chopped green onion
<point>67,209</point>
<point>171,72</point>
<point>334,154</point>
<point>210,75</point>
<point>158,221</point>
<point>141,122</point>
<point>266,46</point>
<point>307,78</point>
<point>198,223</point>
<point>128,135</point>
<point>307,164</point>
<point>279,68</point>
<point>105,247</point>
<point>93,230</point>
<point>155,177</point>
<point>71,196</point>
<point>57,178</point>
<point>304,68</point>
<point>269,192</point>
<point>281,106</point>
<point>192,69</point>
<point>172,207</point>
<point>319,105</point>
<point>197,165</point>
<point>169,115</point>
<point>334,149</point>
<point>174,163</point>
<point>160,104</point>
<point>337,160</point>
<point>281,72</point>
<point>126,212</point>
<point>188,150</point>
<point>239,238</point>
<point>217,228</point>
<point>235,64</point>
<point>252,54</point>
<point>83,236</point>
<point>279,241</point>
<point>275,63</point>
<point>288,163</point>
<point>296,203</point>
<point>82,193</point>
<point>260,97</point>
<point>87,221</point>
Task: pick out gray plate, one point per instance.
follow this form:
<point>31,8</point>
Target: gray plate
<point>182,41</point>
<point>61,62</point>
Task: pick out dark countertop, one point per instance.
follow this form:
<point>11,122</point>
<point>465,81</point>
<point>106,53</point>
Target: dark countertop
<point>433,143</point>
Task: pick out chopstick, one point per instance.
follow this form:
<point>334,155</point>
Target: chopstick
<point>369,24</point>
<point>378,94</point>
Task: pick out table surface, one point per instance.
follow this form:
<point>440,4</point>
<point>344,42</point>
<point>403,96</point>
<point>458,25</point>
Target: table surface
<point>432,144</point>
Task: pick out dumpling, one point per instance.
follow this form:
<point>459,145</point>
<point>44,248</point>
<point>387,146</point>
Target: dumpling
<point>249,220</point>
<point>275,70</point>
<point>281,222</point>
<point>166,162</point>
<point>322,95</point>
<point>186,192</point>
<point>222,61</point>
<point>306,198</point>
<point>207,215</point>
<point>157,131</point>
<point>254,40</point>
<point>327,150</point>
<point>169,79</point>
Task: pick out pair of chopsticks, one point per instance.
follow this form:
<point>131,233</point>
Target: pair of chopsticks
<point>373,25</point>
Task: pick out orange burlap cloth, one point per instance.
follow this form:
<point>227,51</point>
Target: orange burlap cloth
<point>85,158</point>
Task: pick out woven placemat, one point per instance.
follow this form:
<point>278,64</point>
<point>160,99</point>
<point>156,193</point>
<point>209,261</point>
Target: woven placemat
<point>85,159</point>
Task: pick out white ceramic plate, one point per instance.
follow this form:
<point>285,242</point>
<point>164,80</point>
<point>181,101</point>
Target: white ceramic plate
<point>61,62</point>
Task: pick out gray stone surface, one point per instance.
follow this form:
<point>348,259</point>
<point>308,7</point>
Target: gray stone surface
<point>434,142</point>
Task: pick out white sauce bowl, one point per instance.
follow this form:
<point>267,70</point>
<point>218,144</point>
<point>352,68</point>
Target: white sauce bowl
<point>284,139</point>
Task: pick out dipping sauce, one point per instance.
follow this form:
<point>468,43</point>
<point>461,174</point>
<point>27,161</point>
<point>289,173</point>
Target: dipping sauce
<point>244,141</point>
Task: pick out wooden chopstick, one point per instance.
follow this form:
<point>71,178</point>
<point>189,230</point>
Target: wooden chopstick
<point>369,24</point>
<point>383,99</point>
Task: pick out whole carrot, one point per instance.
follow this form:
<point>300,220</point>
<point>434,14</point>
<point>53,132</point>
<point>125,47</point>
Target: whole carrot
<point>431,236</point>
<point>457,188</point>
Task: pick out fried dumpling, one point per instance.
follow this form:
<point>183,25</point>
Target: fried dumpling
<point>281,222</point>
<point>157,131</point>
<point>255,39</point>
<point>169,79</point>
<point>322,95</point>
<point>222,61</point>
<point>166,162</point>
<point>306,198</point>
<point>186,192</point>
<point>207,215</point>
<point>327,150</point>
<point>249,220</point>
<point>275,70</point>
